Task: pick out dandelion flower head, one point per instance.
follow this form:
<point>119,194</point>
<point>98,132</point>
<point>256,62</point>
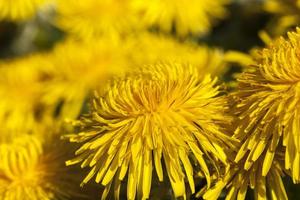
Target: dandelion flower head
<point>192,16</point>
<point>79,67</point>
<point>268,106</point>
<point>32,170</point>
<point>21,88</point>
<point>164,116</point>
<point>267,124</point>
<point>95,18</point>
<point>152,48</point>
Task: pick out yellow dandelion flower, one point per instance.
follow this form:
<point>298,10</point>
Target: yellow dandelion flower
<point>237,181</point>
<point>286,14</point>
<point>151,49</point>
<point>20,90</point>
<point>166,114</point>
<point>90,18</point>
<point>18,10</point>
<point>268,109</point>
<point>78,68</point>
<point>32,170</point>
<point>193,16</point>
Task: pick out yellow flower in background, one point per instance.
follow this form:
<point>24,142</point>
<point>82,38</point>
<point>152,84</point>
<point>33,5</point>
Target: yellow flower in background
<point>237,180</point>
<point>268,110</point>
<point>19,10</point>
<point>190,16</point>
<point>94,18</point>
<point>151,49</point>
<point>78,68</point>
<point>286,14</point>
<point>21,88</point>
<point>33,170</point>
<point>167,112</point>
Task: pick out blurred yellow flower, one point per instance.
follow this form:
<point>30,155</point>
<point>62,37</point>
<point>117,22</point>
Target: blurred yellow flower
<point>21,89</point>
<point>286,12</point>
<point>90,18</point>
<point>32,170</point>
<point>190,16</point>
<point>166,112</point>
<point>150,49</point>
<point>78,68</point>
<point>18,10</point>
<point>268,108</point>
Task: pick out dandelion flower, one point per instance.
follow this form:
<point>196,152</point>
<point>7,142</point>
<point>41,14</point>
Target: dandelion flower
<point>78,68</point>
<point>19,10</point>
<point>21,87</point>
<point>268,105</point>
<point>151,49</point>
<point>267,110</point>
<point>193,16</point>
<point>30,169</point>
<point>90,18</point>
<point>166,113</point>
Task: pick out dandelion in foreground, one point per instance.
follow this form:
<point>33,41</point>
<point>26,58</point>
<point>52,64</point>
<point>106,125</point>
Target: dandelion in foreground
<point>32,170</point>
<point>193,16</point>
<point>19,10</point>
<point>268,106</point>
<point>268,123</point>
<point>167,114</point>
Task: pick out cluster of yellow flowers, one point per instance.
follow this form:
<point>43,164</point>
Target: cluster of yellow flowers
<point>132,97</point>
